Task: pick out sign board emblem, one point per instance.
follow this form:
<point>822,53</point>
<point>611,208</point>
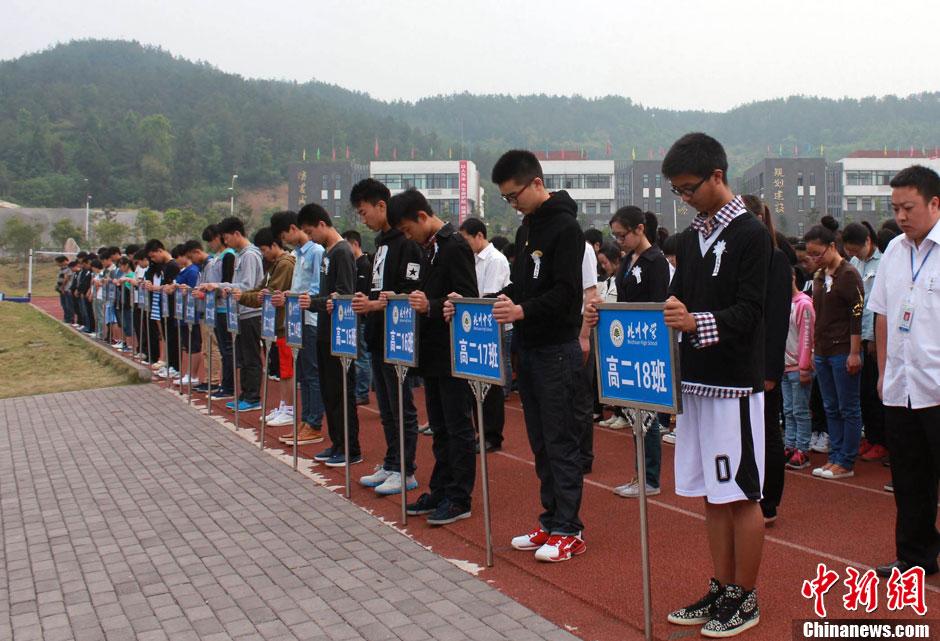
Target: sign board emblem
<point>616,333</point>
<point>395,316</point>
<point>465,321</point>
<point>340,308</point>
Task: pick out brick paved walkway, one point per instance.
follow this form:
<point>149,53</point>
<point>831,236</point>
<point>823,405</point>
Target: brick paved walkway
<point>124,514</point>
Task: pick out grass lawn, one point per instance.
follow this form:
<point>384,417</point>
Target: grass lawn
<point>39,355</point>
<point>14,278</point>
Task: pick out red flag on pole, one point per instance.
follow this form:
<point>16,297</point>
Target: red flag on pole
<point>796,150</point>
<point>395,153</point>
<point>412,152</point>
<point>334,153</point>
<point>347,152</point>
<point>376,147</point>
<point>662,152</point>
<point>608,146</point>
<point>651,153</point>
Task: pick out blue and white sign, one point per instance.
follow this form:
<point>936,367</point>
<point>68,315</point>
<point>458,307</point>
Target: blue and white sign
<point>637,358</point>
<point>343,328</point>
<point>142,297</point>
<point>111,291</point>
<point>231,313</point>
<point>210,309</point>
<point>268,317</point>
<point>401,332</point>
<point>178,305</point>
<point>189,308</point>
<point>476,341</point>
<point>164,305</point>
<point>294,319</point>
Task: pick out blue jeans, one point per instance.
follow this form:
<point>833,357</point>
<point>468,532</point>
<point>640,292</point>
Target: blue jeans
<point>798,421</point>
<point>363,365</point>
<point>308,373</point>
<point>68,312</point>
<point>840,392</point>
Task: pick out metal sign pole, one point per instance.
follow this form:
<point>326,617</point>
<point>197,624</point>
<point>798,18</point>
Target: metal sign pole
<point>166,347</point>
<point>189,366</point>
<point>145,317</point>
<point>209,390</point>
<point>264,393</point>
<point>179,352</point>
<point>639,433</point>
<point>480,389</point>
<point>235,388</point>
<point>402,372</point>
<point>346,361</point>
<point>293,352</point>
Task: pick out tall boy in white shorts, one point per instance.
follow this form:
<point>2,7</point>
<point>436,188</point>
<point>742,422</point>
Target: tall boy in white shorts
<point>717,303</point>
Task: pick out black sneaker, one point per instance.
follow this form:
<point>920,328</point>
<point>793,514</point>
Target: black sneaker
<point>701,611</point>
<point>736,612</point>
<point>447,513</point>
<point>422,506</point>
<point>325,455</point>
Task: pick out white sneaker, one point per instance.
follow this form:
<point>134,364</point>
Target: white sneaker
<point>631,490</point>
<point>285,416</point>
<point>273,414</point>
<point>813,441</point>
<point>376,478</point>
<point>160,373</point>
<point>119,345</point>
<point>619,424</point>
<point>182,381</point>
<point>822,444</point>
<point>392,484</point>
<point>607,422</point>
<point>670,438</point>
<point>172,373</point>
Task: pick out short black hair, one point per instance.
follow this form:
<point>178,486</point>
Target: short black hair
<point>801,277</point>
<point>191,246</point>
<point>61,259</point>
<point>211,231</point>
<point>857,233</point>
<point>231,225</point>
<point>112,251</point>
<point>73,263</point>
<point>96,264</point>
<point>131,249</point>
<point>153,245</point>
<point>406,205</point>
<point>499,242</point>
<point>281,222</point>
<point>140,254</point>
<point>352,234</point>
<point>177,251</point>
<point>313,214</point>
<point>369,190</point>
<point>671,245</point>
<point>923,179</point>
<point>593,236</point>
<point>519,165</point>
<point>697,154</point>
<point>102,250</point>
<point>473,226</point>
<point>611,251</point>
<point>509,250</point>
<point>265,238</point>
<point>82,255</point>
<point>124,260</point>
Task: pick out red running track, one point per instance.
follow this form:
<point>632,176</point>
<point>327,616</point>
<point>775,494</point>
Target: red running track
<point>599,595</point>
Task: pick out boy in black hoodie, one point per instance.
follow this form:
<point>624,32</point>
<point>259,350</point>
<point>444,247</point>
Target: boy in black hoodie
<point>544,304</point>
<point>447,266</point>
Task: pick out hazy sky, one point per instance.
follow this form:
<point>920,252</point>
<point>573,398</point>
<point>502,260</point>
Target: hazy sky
<point>706,54</point>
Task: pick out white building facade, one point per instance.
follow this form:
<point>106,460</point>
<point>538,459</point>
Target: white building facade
<point>866,178</point>
<point>452,187</point>
<point>591,183</point>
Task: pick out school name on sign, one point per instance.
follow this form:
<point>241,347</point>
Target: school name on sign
<point>474,351</point>
<point>403,341</point>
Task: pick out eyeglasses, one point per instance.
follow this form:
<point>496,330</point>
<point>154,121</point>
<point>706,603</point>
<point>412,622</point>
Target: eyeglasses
<point>815,257</point>
<point>622,235</point>
<point>513,198</point>
<point>688,191</point>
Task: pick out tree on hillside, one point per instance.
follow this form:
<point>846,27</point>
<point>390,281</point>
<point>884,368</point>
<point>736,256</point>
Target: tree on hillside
<point>62,230</point>
<point>150,224</point>
<point>19,236</point>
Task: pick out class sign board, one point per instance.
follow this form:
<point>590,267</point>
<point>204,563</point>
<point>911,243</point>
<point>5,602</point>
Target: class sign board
<point>637,358</point>
<point>164,305</point>
<point>231,313</point>
<point>209,320</point>
<point>401,332</point>
<point>178,305</point>
<point>476,341</point>
<point>294,319</point>
<point>344,340</point>
<point>268,317</point>
<point>189,308</point>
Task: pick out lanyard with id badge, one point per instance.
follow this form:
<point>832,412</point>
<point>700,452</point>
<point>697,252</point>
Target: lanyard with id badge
<point>907,309</point>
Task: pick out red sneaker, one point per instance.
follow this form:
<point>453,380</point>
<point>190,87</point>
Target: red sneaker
<point>875,453</point>
<point>531,541</point>
<point>560,548</point>
<point>864,447</point>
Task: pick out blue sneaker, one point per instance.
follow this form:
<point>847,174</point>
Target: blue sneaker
<point>339,460</point>
<point>325,455</point>
<point>244,406</point>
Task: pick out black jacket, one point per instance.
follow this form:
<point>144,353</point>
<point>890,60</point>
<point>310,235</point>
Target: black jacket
<point>777,315</point>
<point>735,296</point>
<point>447,267</point>
<point>647,281</point>
<point>546,274</point>
<point>395,268</point>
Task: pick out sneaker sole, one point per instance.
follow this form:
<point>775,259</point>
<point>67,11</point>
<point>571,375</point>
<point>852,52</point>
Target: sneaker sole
<point>308,441</point>
<point>414,512</point>
<point>582,550</point>
<point>343,464</point>
<point>389,493</point>
<point>448,521</point>
<point>636,496</point>
<point>695,621</point>
<point>730,633</point>
<point>525,548</point>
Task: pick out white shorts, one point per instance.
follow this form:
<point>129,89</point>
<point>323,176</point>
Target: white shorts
<point>720,448</point>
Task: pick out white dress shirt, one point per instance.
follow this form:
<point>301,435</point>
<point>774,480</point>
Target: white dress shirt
<point>492,270</point>
<point>912,363</point>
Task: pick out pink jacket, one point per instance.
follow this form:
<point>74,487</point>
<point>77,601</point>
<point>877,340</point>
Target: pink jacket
<point>799,354</point>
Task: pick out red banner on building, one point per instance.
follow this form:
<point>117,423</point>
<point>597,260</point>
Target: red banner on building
<point>464,205</point>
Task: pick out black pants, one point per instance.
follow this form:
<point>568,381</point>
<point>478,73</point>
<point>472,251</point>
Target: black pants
<point>153,332</point>
<point>873,411</point>
<point>449,401</point>
<point>385,381</point>
<point>584,410</point>
<point>224,339</point>
<point>494,415</point>
<point>331,389</point>
<point>547,381</point>
<point>248,357</point>
<point>171,336</point>
<point>774,459</point>
<point>914,443</point>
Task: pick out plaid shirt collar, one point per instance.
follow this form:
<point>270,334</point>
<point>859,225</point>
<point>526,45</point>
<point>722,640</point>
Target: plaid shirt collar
<point>430,247</point>
<point>722,219</point>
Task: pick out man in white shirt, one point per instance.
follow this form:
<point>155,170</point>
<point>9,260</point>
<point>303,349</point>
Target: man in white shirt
<point>584,392</point>
<point>492,269</point>
<point>906,299</point>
